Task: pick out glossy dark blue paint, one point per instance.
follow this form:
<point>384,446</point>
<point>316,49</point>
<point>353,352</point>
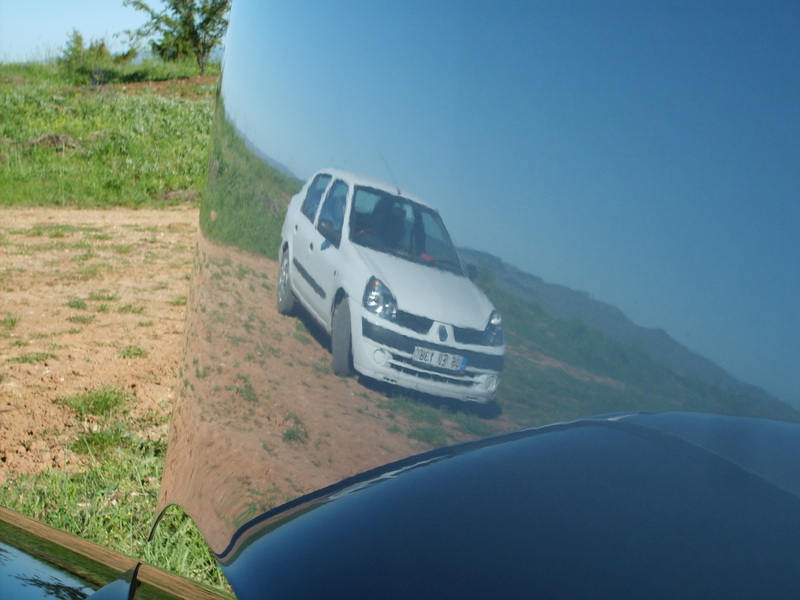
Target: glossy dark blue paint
<point>625,507</point>
<point>25,577</point>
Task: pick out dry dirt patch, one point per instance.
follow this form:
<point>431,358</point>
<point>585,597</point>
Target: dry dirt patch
<point>87,299</point>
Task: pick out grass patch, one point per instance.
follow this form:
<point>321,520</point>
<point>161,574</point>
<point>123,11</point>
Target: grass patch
<point>245,199</point>
<point>8,322</point>
<point>103,296</point>
<point>100,402</point>
<point>130,309</point>
<point>99,147</point>
<point>301,333</point>
<point>100,442</point>
<point>244,389</point>
<point>32,357</point>
<point>473,425</point>
<point>296,433</point>
<point>81,319</point>
<point>133,352</point>
<point>112,503</point>
<point>77,304</point>
<point>93,270</point>
<point>433,436</point>
<point>417,412</point>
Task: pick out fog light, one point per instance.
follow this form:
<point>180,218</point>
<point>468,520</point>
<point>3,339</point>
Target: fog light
<point>491,383</point>
<point>380,357</point>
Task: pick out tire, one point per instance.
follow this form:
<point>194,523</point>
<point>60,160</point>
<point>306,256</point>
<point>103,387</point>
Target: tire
<point>341,340</point>
<point>285,295</point>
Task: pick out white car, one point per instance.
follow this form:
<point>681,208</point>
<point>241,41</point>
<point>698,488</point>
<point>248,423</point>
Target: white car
<point>377,269</point>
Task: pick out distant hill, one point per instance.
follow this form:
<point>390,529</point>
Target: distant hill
<point>581,310</point>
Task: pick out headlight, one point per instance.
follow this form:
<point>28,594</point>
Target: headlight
<point>379,300</point>
<point>493,336</point>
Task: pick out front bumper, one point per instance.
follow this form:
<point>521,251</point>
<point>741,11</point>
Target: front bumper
<point>385,352</point>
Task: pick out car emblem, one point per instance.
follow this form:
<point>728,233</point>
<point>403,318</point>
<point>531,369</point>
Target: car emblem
<point>442,333</point>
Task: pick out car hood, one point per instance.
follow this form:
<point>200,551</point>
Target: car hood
<point>634,506</point>
<point>428,291</point>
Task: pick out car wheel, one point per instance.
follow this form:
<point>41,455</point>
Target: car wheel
<point>341,340</point>
<point>285,294</point>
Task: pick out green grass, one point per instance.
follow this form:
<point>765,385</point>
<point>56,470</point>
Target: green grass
<point>100,442</point>
<point>100,402</point>
<point>81,319</point>
<point>244,389</point>
<point>433,436</point>
<point>77,304</point>
<point>245,199</point>
<point>32,357</point>
<point>103,296</point>
<point>301,333</point>
<point>296,433</point>
<point>133,352</point>
<point>130,309</point>
<point>8,322</point>
<point>97,147</point>
<point>112,501</point>
<point>417,412</point>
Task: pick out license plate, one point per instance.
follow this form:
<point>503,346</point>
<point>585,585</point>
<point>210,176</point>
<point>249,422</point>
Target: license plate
<point>443,360</point>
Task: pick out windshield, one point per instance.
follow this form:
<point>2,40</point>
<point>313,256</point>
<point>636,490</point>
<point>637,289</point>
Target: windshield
<point>401,227</point>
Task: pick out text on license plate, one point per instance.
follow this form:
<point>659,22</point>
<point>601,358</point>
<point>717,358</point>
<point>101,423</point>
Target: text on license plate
<point>443,360</point>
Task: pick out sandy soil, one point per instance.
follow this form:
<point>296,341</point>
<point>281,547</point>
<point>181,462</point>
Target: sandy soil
<point>78,288</point>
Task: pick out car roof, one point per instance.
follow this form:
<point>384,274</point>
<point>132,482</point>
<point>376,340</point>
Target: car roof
<point>373,182</point>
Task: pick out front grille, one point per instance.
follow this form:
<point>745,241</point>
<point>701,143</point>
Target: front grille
<point>413,322</point>
<point>468,336</point>
<point>404,365</point>
<point>406,346</point>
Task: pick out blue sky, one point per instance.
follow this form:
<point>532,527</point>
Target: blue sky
<point>38,29</point>
<point>647,153</point>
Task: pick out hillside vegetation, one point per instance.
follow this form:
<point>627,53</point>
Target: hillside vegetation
<point>558,369</point>
<point>110,140</point>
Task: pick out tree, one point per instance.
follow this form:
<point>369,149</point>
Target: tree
<point>75,54</point>
<point>185,27</point>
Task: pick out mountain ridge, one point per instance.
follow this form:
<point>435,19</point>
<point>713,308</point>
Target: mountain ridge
<point>562,302</point>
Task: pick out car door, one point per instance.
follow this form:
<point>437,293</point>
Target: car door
<point>303,235</point>
<point>323,251</point>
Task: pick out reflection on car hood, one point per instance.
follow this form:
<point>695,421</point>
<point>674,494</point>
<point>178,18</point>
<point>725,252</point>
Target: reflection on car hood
<point>606,507</point>
<point>428,291</point>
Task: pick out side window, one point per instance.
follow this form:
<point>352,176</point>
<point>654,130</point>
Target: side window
<point>364,202</point>
<point>333,208</point>
<point>314,194</point>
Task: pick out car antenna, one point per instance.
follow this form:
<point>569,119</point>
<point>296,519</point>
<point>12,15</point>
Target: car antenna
<point>385,162</point>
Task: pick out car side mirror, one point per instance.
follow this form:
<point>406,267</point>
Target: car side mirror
<point>472,272</point>
<point>329,231</point>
